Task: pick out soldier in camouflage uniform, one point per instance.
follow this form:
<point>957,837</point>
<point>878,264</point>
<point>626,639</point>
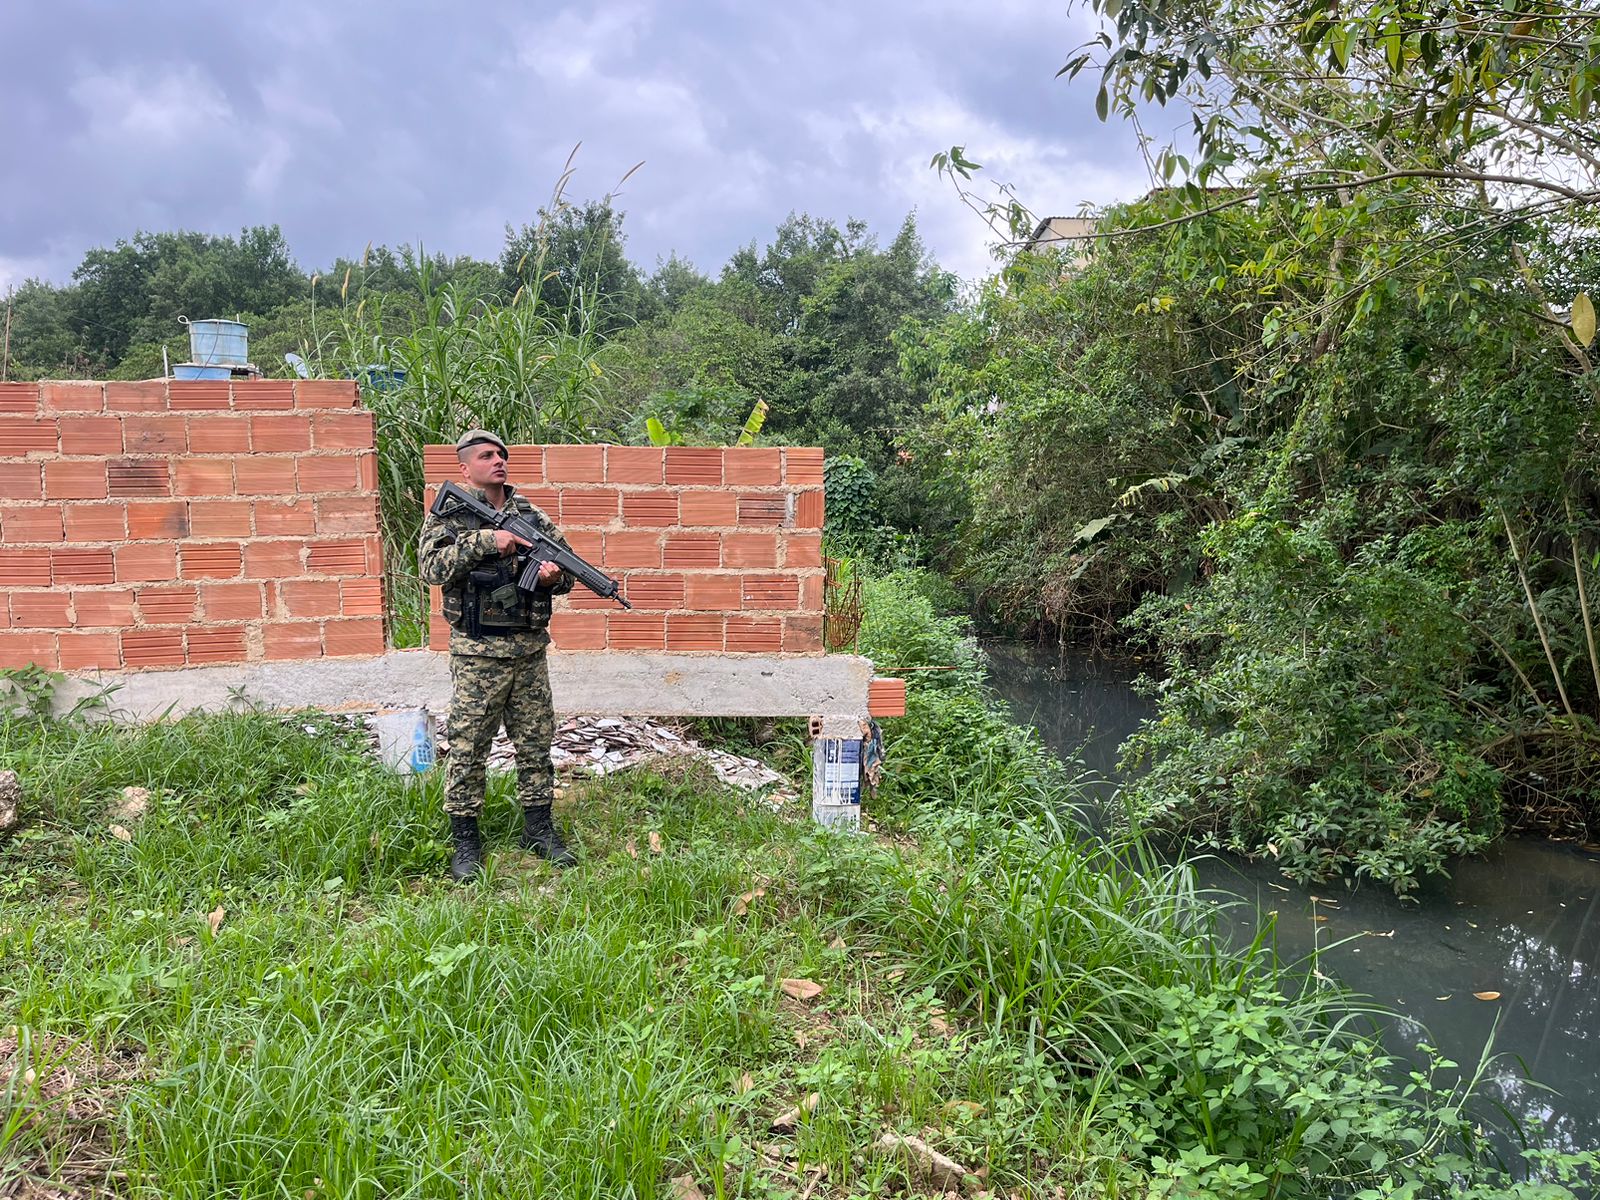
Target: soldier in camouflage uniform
<point>498,671</point>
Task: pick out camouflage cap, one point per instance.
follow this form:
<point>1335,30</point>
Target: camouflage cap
<point>473,436</point>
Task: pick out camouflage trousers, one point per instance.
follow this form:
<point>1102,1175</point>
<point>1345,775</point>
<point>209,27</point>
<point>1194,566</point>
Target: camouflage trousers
<point>486,692</point>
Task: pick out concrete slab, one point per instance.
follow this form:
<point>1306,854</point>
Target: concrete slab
<point>833,686</point>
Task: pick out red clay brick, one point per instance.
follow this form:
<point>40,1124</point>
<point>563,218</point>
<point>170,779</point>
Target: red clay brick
<point>636,631</point>
<point>692,550</point>
<point>257,394</point>
<point>146,562</point>
<point>367,472</point>
<point>574,464</point>
<point>82,567</point>
<point>19,398</point>
<point>653,592</point>
<point>750,550</point>
<point>147,396</point>
<point>98,609</point>
<point>284,518</point>
<point>197,394</point>
<point>524,465</point>
<point>632,550</point>
<point>770,591</point>
<point>343,514</point>
<point>886,697</point>
<point>802,466</point>
<point>21,481</point>
<point>25,568</point>
<point>634,464</point>
<point>440,465</point>
<point>802,550</point>
<point>158,519</point>
<point>97,522</point>
<point>86,651</point>
<point>161,434</point>
<point>280,434</point>
<point>39,610</point>
<point>808,508</point>
<point>583,600</point>
<point>650,508</point>
<point>75,480</point>
<point>708,508</point>
<point>802,635</point>
<point>73,397</point>
<point>326,393</point>
<point>41,523</point>
<point>343,430</point>
<point>694,631</point>
<point>219,518</point>
<point>219,435</point>
<point>257,476</point>
<point>755,635</point>
<point>225,644</point>
<point>212,560</point>
<point>28,649</point>
<point>130,477</point>
<point>167,606</point>
<point>28,436</point>
<point>438,633</point>
<point>578,631</point>
<point>699,466</point>
<point>295,639</point>
<point>347,556</point>
<point>763,510</point>
<point>588,506</point>
<point>309,597</point>
<point>546,500</point>
<point>362,636</point>
<point>811,592</point>
<point>326,473</point>
<point>361,597</point>
<point>152,647</point>
<point>752,466</point>
<point>91,435</point>
<point>274,559</point>
<point>203,477</point>
<point>586,545</point>
<point>231,601</point>
<point>712,593</point>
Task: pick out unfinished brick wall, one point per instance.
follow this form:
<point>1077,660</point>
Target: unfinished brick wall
<point>718,550</point>
<point>160,524</point>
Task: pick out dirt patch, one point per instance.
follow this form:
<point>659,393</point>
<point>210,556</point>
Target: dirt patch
<point>70,1093</point>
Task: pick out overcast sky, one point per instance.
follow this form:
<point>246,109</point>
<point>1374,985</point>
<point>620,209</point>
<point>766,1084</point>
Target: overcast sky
<point>347,122</point>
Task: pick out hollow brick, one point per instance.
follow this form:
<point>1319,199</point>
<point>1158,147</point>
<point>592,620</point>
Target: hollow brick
<point>343,430</point>
<point>694,466</point>
<point>634,464</point>
<point>167,606</point>
<point>291,640</point>
<point>692,550</point>
<point>84,567</point>
<point>695,631</point>
<point>19,399</point>
<point>99,609</point>
<point>802,550</point>
<point>325,473</point>
<point>285,518</point>
<point>343,514</point>
<point>279,434</point>
<point>326,393</point>
<point>97,522</point>
<point>361,597</point>
<point>158,519</point>
<point>25,568</point>
<point>802,466</point>
<point>588,506</point>
<point>203,477</point>
<point>90,651</point>
<point>274,559</point>
<point>64,396</point>
<point>210,645</point>
<point>578,630</point>
<point>20,649</point>
<point>707,508</point>
<point>148,395</point>
<point>752,466</point>
<point>754,635</point>
<point>91,435</point>
<point>20,436</point>
<point>146,562</point>
<point>627,549</point>
<point>75,480</point>
<point>211,560</point>
<point>21,481</point>
<point>131,477</point>
<point>264,476</point>
<point>231,601</point>
<point>155,434</point>
<point>574,464</point>
<point>636,631</point>
<point>255,395</point>
<point>650,508</point>
<point>197,394</point>
<point>35,523</point>
<point>219,435</point>
<point>219,518</point>
<point>39,610</point>
<point>712,593</point>
<point>350,637</point>
<point>750,550</point>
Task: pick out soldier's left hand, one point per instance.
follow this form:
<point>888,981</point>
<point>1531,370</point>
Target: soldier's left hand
<point>549,572</point>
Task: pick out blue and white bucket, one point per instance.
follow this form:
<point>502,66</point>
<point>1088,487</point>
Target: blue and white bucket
<point>216,341</point>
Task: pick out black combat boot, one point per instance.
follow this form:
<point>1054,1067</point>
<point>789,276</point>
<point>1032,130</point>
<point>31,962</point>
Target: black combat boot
<point>539,834</point>
<point>468,858</point>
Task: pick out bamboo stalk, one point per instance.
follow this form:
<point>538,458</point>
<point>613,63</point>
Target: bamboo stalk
<point>1583,600</point>
<point>1533,608</point>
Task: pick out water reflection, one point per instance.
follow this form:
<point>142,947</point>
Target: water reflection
<point>1523,921</point>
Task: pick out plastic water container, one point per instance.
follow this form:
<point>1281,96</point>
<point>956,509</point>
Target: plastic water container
<point>197,371</point>
<point>405,740</point>
<point>218,341</point>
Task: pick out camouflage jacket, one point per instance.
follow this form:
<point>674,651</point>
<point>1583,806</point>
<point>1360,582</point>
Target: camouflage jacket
<point>451,547</point>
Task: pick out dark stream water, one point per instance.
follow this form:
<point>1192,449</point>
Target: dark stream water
<point>1523,921</point>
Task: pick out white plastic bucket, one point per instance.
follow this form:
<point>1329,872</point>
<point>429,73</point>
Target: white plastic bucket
<point>405,739</point>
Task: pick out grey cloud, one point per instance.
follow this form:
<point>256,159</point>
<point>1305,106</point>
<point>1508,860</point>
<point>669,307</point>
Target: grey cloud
<point>397,123</point>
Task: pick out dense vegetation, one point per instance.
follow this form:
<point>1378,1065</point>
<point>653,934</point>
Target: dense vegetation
<point>252,979</point>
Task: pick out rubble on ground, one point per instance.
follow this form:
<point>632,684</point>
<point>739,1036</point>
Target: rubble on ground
<point>10,799</point>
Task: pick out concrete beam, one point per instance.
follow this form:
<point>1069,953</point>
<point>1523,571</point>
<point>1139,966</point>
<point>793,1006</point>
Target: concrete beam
<point>833,686</point>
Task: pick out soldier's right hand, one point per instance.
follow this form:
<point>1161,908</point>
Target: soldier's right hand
<point>506,542</point>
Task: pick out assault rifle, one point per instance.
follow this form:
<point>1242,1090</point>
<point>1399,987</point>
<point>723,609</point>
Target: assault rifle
<point>453,498</point>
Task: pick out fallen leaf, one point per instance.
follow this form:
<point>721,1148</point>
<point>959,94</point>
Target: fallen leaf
<point>214,918</point>
<point>683,1187</point>
<point>940,1026</point>
<point>655,842</point>
<point>742,904</point>
<point>121,834</point>
<point>633,851</point>
<point>745,1084</point>
<point>923,1161</point>
<point>785,1121</point>
<point>801,989</point>
<point>1442,997</point>
<point>836,944</point>
<point>133,804</point>
<point>1487,995</point>
<point>1320,919</point>
<point>967,1106</point>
